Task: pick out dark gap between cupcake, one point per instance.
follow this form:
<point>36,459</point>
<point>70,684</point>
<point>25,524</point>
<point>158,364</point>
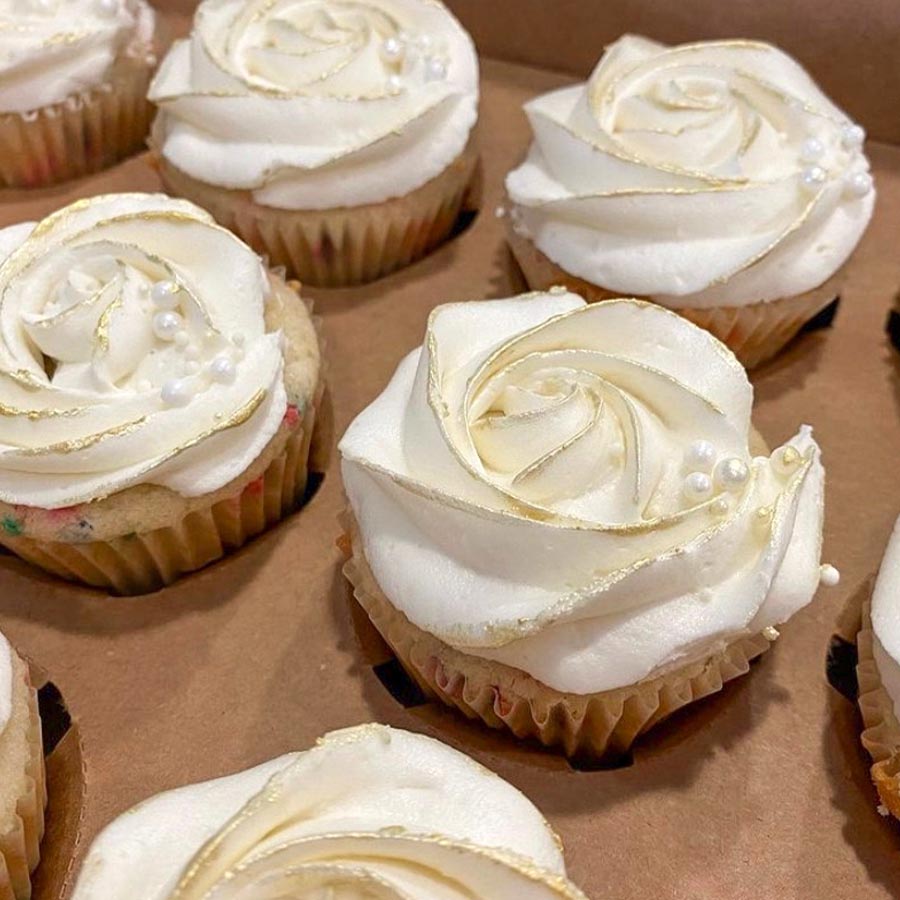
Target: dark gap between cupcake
<point>55,718</point>
<point>840,667</point>
<point>892,327</point>
<point>399,685</point>
<point>824,318</point>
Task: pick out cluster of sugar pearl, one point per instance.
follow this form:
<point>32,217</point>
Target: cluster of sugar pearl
<point>706,471</point>
<point>168,325</point>
<point>397,48</point>
<point>814,176</point>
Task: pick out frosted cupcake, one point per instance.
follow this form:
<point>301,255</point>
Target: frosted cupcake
<point>159,391</point>
<point>73,86</point>
<point>368,812</point>
<point>879,677</point>
<point>713,178</point>
<point>560,521</point>
<point>335,138</point>
<point>23,793</point>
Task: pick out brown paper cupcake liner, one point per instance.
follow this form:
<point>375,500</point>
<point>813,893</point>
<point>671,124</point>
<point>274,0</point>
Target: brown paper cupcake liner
<point>881,732</point>
<point>754,332</point>
<point>345,246</point>
<point>21,833</point>
<point>592,726</point>
<point>137,563</point>
<point>85,133</point>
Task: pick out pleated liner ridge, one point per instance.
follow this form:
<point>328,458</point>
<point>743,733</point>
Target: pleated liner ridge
<point>591,726</point>
<point>881,731</point>
<point>20,838</point>
<point>85,133</point>
<point>339,247</point>
<point>755,332</point>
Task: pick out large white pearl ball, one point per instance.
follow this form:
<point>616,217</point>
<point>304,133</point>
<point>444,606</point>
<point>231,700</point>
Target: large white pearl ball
<point>164,294</point>
<point>392,50</point>
<point>853,136</point>
<point>167,324</point>
<point>813,178</point>
<point>435,69</point>
<point>732,474</point>
<point>223,370</point>
<point>859,184</point>
<point>700,456</point>
<point>697,487</point>
<point>176,392</point>
<point>812,149</point>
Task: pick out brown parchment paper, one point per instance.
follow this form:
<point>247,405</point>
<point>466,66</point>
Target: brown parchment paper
<point>759,792</point>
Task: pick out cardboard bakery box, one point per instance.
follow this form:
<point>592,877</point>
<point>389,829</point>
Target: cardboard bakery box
<point>761,791</point>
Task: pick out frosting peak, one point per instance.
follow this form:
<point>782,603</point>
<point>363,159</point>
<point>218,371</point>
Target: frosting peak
<point>886,619</point>
<point>359,101</point>
<point>707,174</point>
<point>131,333</point>
<point>569,489</point>
<point>369,812</point>
<point>52,49</point>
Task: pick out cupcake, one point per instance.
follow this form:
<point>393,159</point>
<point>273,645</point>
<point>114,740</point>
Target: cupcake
<point>159,392</point>
<point>559,524</point>
<point>368,812</point>
<point>335,138</point>
<point>23,793</point>
<point>879,678</point>
<point>73,87</point>
<point>714,178</point>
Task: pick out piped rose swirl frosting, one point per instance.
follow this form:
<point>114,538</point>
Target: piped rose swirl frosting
<point>568,489</point>
<point>886,619</point>
<point>133,349</point>
<point>314,104</point>
<point>370,813</point>
<point>54,49</point>
<point>707,174</point>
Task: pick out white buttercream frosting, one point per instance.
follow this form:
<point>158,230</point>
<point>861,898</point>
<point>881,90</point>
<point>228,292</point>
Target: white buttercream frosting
<point>370,813</point>
<point>568,489</point>
<point>886,619</point>
<point>133,349</point>
<point>315,104</point>
<point>707,174</point>
<point>6,686</point>
<point>54,49</point>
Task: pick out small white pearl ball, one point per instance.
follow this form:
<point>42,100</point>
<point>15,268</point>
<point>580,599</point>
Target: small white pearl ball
<point>164,294</point>
<point>167,324</point>
<point>107,7</point>
<point>697,487</point>
<point>424,42</point>
<point>813,178</point>
<point>829,576</point>
<point>853,136</point>
<point>859,183</point>
<point>176,392</point>
<point>720,506</point>
<point>785,460</point>
<point>392,50</point>
<point>732,474</point>
<point>700,456</point>
<point>182,339</point>
<point>223,370</point>
<point>435,69</point>
<point>395,84</point>
<point>812,149</point>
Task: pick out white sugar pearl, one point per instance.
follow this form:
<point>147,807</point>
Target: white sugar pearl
<point>720,506</point>
<point>392,50</point>
<point>107,7</point>
<point>223,370</point>
<point>435,69</point>
<point>164,294</point>
<point>176,392</point>
<point>182,339</point>
<point>697,487</point>
<point>700,456</point>
<point>785,460</point>
<point>812,149</point>
<point>424,42</point>
<point>167,324</point>
<point>732,474</point>
<point>395,84</point>
<point>859,183</point>
<point>853,136</point>
<point>191,352</point>
<point>813,178</point>
<point>829,576</point>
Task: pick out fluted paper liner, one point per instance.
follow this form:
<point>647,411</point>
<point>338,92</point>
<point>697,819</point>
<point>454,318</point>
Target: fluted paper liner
<point>22,774</point>
<point>590,726</point>
<point>755,332</point>
<point>136,563</point>
<point>84,133</point>
<point>881,733</point>
<point>345,246</point>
